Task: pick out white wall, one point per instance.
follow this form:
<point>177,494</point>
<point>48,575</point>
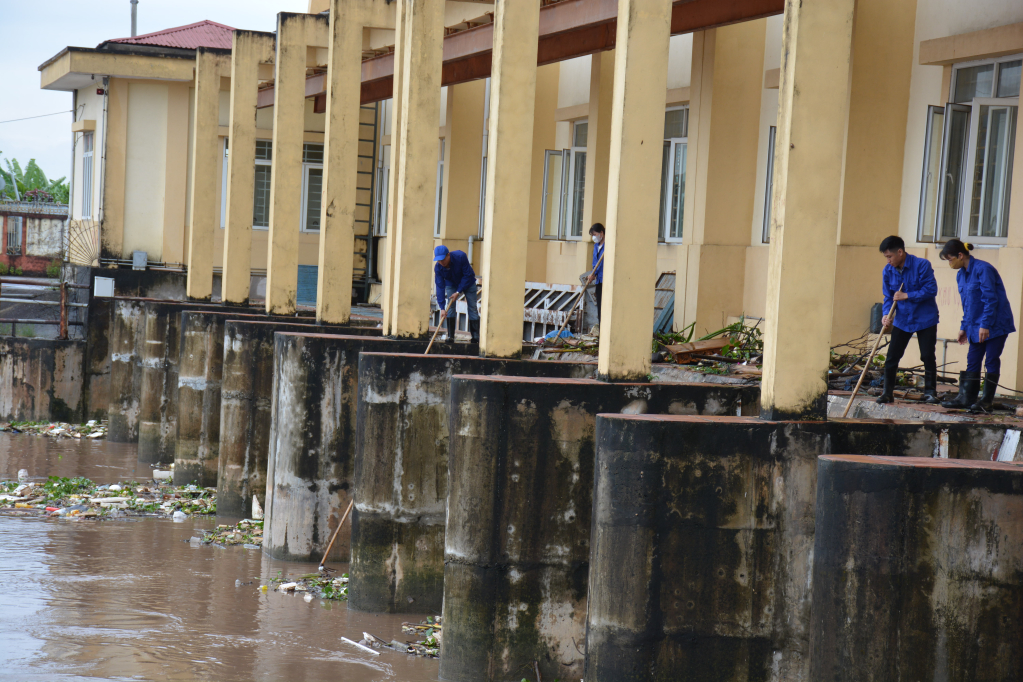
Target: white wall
<point>938,19</point>
<point>90,107</point>
<point>680,61</point>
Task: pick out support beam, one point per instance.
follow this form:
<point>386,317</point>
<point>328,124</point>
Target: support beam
<point>810,142</point>
<point>637,129</point>
<point>210,65</point>
<point>295,33</point>
<point>417,166</point>
<point>509,157</point>
<point>391,244</point>
<point>249,50</point>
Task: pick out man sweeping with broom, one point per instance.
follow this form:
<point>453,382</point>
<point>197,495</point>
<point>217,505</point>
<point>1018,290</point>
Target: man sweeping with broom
<point>918,314</point>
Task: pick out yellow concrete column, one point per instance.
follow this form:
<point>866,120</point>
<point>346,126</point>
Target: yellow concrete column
<point>598,139</point>
<point>417,166</point>
<point>210,65</point>
<point>721,177</point>
<point>1010,267</point>
<point>249,50</point>
<point>810,141</point>
<point>506,215</point>
<point>295,33</point>
<point>637,130</point>
<point>389,305</point>
<point>348,18</point>
<point>463,161</point>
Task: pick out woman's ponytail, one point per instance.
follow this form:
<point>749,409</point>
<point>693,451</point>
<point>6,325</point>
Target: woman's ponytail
<point>954,247</point>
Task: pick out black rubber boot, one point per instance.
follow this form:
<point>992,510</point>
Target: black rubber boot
<point>969,387</point>
<point>452,322</point>
<point>987,401</point>
<point>891,375</point>
<point>931,387</point>
<point>474,330</point>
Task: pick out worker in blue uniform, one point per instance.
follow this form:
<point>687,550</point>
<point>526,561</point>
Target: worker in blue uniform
<point>909,281</point>
<point>987,322</point>
<point>454,276</point>
<point>597,265</point>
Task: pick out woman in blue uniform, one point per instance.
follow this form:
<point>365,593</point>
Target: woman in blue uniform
<point>987,321</point>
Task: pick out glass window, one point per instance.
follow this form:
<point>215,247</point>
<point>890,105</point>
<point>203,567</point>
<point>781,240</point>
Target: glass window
<point>973,81</point>
<point>676,123</point>
<point>1008,78</point>
<point>261,188</point>
<point>312,153</point>
<point>439,203</point>
<point>223,187</point>
<point>578,192</point>
<point>953,164</point>
<point>929,181</point>
<point>314,197</point>
<point>769,190</point>
<point>553,176</point>
<point>673,174</point>
<point>382,190</point>
<point>87,174</point>
<point>580,133</point>
<point>14,225</point>
<point>992,161</point>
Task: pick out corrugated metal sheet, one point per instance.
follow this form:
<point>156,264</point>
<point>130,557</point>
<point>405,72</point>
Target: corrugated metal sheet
<point>665,291</point>
<point>307,277</point>
<point>201,34</point>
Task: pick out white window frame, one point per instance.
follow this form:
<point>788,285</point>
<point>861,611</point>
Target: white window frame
<point>383,192</point>
<point>772,134</point>
<point>269,164</point>
<point>547,189</point>
<point>575,196</point>
<point>966,188</point>
<point>306,168</point>
<point>88,147</point>
<point>439,194</point>
<point>673,145</point>
<point>223,185</point>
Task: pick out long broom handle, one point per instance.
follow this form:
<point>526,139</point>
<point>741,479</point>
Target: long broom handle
<point>338,530</point>
<point>446,310</point>
<point>576,305</point>
<point>873,350</point>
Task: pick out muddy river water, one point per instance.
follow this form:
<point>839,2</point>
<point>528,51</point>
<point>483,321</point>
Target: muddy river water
<point>130,599</point>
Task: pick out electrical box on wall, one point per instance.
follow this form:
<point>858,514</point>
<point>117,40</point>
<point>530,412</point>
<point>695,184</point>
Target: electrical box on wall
<point>103,287</point>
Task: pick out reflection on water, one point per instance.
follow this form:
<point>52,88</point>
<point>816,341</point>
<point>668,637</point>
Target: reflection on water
<point>131,599</point>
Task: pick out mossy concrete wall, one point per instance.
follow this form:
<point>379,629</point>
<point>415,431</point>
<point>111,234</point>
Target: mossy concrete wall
<point>312,439</point>
<point>246,394</point>
<point>517,539</point>
<point>401,473</point>
<point>917,570</point>
<point>41,379</point>
<point>126,340</point>
<point>703,539</point>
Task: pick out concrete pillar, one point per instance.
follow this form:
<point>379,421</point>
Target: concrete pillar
<point>422,54</point>
<point>391,243</point>
<point>158,402</point>
<point>916,570</point>
<point>810,143</point>
<point>721,180</point>
<point>506,214</point>
<point>598,139</point>
<point>210,65</point>
<point>246,392</point>
<point>313,438</point>
<point>98,342</point>
<point>125,371</point>
<point>199,371</point>
<point>249,50</point>
<point>637,129</point>
<point>295,33</point>
<point>703,540</point>
<point>520,488</point>
<point>401,473</point>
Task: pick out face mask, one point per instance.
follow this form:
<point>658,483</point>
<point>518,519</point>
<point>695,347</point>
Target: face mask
<point>596,239</point>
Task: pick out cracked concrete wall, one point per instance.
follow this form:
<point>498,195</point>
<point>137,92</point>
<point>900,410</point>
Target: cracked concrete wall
<point>41,379</point>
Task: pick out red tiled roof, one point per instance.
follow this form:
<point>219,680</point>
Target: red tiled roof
<point>201,34</point>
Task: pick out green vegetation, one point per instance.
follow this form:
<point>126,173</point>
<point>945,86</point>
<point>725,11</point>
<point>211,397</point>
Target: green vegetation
<point>7,270</point>
<point>32,183</point>
<point>57,487</point>
<point>53,269</point>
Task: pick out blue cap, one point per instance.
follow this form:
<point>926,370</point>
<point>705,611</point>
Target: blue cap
<point>440,253</point>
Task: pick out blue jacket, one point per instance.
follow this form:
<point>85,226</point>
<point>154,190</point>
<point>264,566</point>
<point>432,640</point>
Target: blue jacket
<point>598,273</point>
<point>920,310</point>
<point>458,275</point>
<point>985,305</point>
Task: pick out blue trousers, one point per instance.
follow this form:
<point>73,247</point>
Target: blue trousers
<point>992,348</point>
<point>470,301</point>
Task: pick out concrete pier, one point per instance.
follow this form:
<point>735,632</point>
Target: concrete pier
<point>158,400</point>
<point>517,545</point>
<point>917,566</point>
<point>125,370</point>
<point>401,473</point>
<point>312,439</point>
<point>703,538</point>
<point>246,393</point>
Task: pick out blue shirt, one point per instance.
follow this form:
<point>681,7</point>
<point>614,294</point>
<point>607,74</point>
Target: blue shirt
<point>598,271</point>
<point>985,305</point>
<point>920,310</point>
<point>458,275</point>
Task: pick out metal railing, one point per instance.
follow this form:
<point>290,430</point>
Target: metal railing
<point>64,304</point>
